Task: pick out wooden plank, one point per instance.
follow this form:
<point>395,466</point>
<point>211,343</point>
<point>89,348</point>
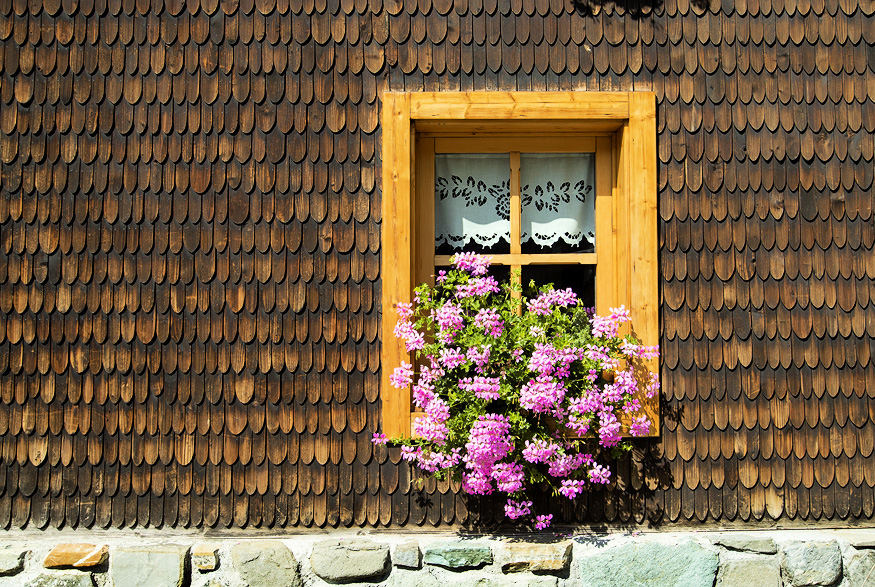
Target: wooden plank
<point>396,261</point>
<point>531,259</point>
<point>644,246</point>
<point>511,143</point>
<point>473,128</point>
<point>620,242</point>
<point>519,105</point>
<point>424,211</point>
<point>604,233</point>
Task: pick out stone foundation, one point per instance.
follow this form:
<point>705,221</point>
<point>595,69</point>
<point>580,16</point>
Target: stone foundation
<point>789,558</point>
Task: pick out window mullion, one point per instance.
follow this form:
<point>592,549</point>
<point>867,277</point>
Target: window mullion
<point>604,231</point>
<point>515,216</point>
<point>515,205</point>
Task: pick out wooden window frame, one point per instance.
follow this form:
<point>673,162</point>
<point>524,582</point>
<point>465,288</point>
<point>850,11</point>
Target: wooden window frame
<point>626,119</point>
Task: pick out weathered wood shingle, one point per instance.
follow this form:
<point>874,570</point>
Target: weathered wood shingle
<point>190,252</point>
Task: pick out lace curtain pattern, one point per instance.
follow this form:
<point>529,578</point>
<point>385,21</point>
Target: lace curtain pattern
<point>472,199</point>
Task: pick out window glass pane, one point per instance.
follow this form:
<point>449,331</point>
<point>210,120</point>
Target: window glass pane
<point>558,202</point>
<point>471,203</point>
<point>580,278</point>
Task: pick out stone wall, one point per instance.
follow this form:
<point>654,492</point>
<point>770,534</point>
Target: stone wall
<point>841,558</point>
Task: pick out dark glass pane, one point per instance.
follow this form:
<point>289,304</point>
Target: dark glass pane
<point>500,272</point>
<point>558,202</point>
<point>580,278</point>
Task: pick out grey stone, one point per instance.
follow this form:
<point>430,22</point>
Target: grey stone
<point>861,570</point>
<point>506,581</point>
<point>11,559</point>
<point>523,556</point>
<point>61,580</point>
<point>811,563</point>
<point>751,572</point>
<point>458,555</point>
<point>650,565</point>
<point>858,538</point>
<point>746,543</point>
<point>432,577</point>
<point>345,561</point>
<point>263,563</point>
<point>402,578</point>
<point>407,555</point>
<point>148,566</point>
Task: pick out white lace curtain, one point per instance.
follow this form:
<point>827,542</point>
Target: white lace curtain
<point>472,199</point>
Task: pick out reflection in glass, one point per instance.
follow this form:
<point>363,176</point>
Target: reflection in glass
<point>472,203</point>
<point>558,202</point>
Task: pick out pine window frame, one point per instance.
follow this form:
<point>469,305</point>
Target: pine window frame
<point>626,119</point>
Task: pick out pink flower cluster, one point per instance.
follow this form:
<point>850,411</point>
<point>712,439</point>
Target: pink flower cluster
<point>540,450</point>
<point>609,429</point>
<point>633,351</point>
<point>562,465</point>
<point>544,303</point>
<point>559,460</point>
<point>609,326</point>
<point>477,286</point>
<point>449,319</point>
<point>489,320</point>
<point>401,376</point>
<point>509,477</point>
<point>571,488</point>
<point>602,355</point>
<point>548,360</point>
<point>479,356</point>
<point>640,426</point>
<point>413,339</point>
<point>431,461</point>
<point>652,387</point>
<point>481,387</point>
<point>472,263</point>
<point>600,474</point>
<point>543,522</point>
<point>517,509</point>
<point>451,357</point>
<point>433,426</point>
<point>543,395</point>
<point>488,443</point>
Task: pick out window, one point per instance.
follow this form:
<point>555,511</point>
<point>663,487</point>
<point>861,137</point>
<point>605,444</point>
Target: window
<point>529,201</point>
<point>469,170</point>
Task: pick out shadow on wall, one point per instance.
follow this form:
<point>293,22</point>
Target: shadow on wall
<point>631,509</point>
<point>634,8</point>
<point>589,511</point>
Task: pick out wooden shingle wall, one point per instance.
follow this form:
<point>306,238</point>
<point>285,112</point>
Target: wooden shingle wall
<point>190,247</point>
